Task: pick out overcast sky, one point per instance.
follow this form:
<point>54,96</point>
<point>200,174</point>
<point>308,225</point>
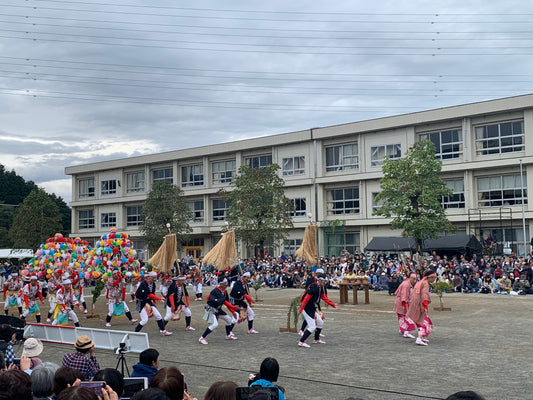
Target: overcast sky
<point>86,81</point>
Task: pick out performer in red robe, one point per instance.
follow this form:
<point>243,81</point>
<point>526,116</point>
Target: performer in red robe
<point>418,307</point>
<point>401,304</point>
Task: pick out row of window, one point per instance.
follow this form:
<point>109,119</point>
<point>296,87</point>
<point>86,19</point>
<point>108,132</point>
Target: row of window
<point>496,138</point>
<point>494,191</point>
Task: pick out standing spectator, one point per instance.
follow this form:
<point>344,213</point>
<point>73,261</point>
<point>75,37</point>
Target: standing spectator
<point>83,360</point>
<point>148,364</point>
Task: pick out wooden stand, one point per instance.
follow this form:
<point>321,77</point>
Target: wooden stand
<point>354,282</point>
<point>442,308</point>
<point>292,330</point>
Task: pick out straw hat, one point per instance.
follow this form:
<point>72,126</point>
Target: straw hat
<point>32,347</point>
<point>83,342</point>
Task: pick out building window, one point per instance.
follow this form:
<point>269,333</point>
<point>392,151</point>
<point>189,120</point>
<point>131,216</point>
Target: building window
<point>197,210</point>
<point>501,191</point>
<point>448,144</point>
<point>290,246</point>
<point>133,215</point>
<point>164,174</point>
<point>339,242</point>
<point>294,166</point>
<point>192,175</point>
<point>343,157</point>
<point>108,187</point>
<point>108,220</point>
<point>86,187</point>
<point>135,182</point>
<point>376,205</point>
<point>343,201</point>
<point>86,219</point>
<point>457,198</point>
<point>379,153</point>
<point>220,208</point>
<point>299,208</point>
<point>223,171</point>
<point>505,137</point>
<point>259,161</point>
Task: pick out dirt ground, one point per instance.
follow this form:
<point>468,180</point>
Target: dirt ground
<point>482,344</point>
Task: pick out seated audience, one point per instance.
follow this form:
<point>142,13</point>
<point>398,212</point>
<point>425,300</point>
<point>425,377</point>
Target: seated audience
<point>64,377</point>
<point>222,390</point>
<point>15,385</point>
<point>112,378</point>
<point>7,338</point>
<point>150,394</point>
<point>147,365</point>
<point>32,349</point>
<point>83,393</point>
<point>466,395</point>
<point>170,380</point>
<point>42,380</point>
<point>83,359</point>
<point>268,373</point>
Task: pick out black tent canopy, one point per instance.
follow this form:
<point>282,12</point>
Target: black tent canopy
<point>465,244</point>
<point>391,243</point>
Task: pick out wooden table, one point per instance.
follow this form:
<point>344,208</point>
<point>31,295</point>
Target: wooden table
<point>354,282</point>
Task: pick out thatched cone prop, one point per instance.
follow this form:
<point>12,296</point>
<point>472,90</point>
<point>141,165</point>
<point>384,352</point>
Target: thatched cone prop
<point>293,310</point>
<point>308,250</point>
<point>165,256</point>
<point>224,254</point>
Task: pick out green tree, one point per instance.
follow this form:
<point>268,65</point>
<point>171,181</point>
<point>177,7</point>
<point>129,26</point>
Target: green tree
<point>13,190</point>
<point>38,219</point>
<point>259,209</point>
<point>412,191</point>
<point>165,204</point>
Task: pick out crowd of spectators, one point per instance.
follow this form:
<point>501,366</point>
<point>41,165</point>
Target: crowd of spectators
<point>384,272</point>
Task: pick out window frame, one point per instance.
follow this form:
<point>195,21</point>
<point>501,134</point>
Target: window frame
<point>224,175</point>
<point>138,184</point>
<point>439,153</point>
<point>134,219</point>
<point>344,210</point>
<point>223,211</point>
<point>111,220</point>
<point>452,202</point>
<point>492,200</point>
<point>341,157</point>
<point>262,161</point>
<point>166,177</point>
<point>298,212</point>
<point>494,143</point>
<point>293,170</point>
<point>395,148</point>
<point>194,211</point>
<point>88,221</point>
<point>192,175</point>
<point>110,187</point>
<point>89,193</point>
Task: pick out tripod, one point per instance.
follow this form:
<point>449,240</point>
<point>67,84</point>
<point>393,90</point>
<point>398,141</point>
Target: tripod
<point>122,361</point>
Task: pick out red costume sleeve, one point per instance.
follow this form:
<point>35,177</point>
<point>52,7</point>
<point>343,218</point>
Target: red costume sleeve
<point>115,283</point>
<point>107,293</point>
<point>171,299</point>
<point>123,293</point>
<point>5,290</point>
<point>26,301</point>
<point>230,307</point>
<point>186,301</point>
<point>404,305</point>
<point>40,296</point>
<point>327,300</point>
<point>304,302</point>
<point>426,305</point>
<point>153,297</point>
<point>75,281</point>
<point>248,298</point>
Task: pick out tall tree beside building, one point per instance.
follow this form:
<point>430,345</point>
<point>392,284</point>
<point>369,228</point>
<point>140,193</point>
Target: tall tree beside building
<point>412,192</point>
<point>38,218</point>
<point>259,209</point>
<point>165,204</point>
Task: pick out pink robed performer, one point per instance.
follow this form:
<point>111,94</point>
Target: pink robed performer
<point>401,304</point>
<point>418,307</point>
